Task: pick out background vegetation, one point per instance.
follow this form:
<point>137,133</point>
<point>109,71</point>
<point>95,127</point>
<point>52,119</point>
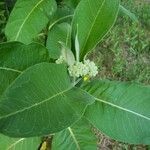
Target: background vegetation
<point>123,55</point>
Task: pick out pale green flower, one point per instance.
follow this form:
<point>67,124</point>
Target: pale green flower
<point>92,68</point>
<point>80,69</point>
<point>60,60</point>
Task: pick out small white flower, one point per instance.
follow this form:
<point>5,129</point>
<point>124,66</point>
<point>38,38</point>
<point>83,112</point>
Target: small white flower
<point>93,69</point>
<point>76,69</point>
<point>82,69</point>
<point>60,60</point>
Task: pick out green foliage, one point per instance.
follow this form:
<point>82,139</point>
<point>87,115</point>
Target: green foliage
<point>75,137</point>
<point>128,13</point>
<point>2,21</point>
<point>125,53</point>
<point>118,112</point>
<point>27,55</point>
<point>28,18</point>
<point>41,98</point>
<point>87,22</point>
<point>59,33</point>
<point>19,143</point>
<point>38,92</point>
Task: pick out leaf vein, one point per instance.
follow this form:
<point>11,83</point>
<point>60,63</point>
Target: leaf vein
<point>122,108</point>
<point>17,35</point>
<point>74,138</point>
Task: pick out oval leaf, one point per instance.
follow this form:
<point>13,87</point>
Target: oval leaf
<point>77,137</point>
<point>92,20</point>
<point>59,33</point>
<point>28,18</point>
<point>15,57</point>
<point>121,110</point>
<point>41,101</point>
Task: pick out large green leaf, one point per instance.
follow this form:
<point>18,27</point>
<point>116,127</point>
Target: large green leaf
<point>7,143</point>
<point>59,33</point>
<point>16,57</point>
<point>121,110</point>
<point>28,18</point>
<point>41,101</point>
<point>77,137</point>
<point>92,20</point>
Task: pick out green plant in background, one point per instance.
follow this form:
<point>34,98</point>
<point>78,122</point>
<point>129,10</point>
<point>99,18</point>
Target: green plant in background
<point>48,90</point>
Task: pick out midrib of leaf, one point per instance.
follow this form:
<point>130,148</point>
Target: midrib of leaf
<point>10,69</point>
<point>67,37</point>
<point>27,18</point>
<point>36,104</point>
<point>74,138</point>
<point>15,143</point>
<point>93,23</point>
<point>122,108</point>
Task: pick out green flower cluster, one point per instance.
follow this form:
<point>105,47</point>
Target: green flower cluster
<point>80,69</point>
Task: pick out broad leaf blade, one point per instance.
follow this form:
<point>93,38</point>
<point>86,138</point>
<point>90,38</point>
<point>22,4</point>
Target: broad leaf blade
<point>93,19</point>
<point>15,57</point>
<point>77,137</point>
<point>7,143</point>
<point>41,101</point>
<point>59,33</point>
<point>121,110</point>
<point>28,18</point>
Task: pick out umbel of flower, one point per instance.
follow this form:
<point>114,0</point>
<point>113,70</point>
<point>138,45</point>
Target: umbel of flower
<point>92,68</point>
<point>88,68</point>
<point>76,68</point>
<point>80,69</point>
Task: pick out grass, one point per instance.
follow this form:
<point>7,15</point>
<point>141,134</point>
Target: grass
<point>124,54</point>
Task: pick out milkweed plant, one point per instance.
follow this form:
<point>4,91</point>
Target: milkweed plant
<point>50,97</point>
